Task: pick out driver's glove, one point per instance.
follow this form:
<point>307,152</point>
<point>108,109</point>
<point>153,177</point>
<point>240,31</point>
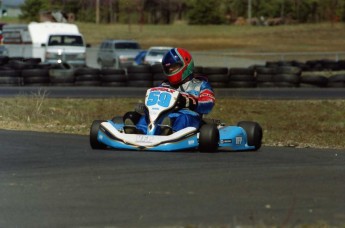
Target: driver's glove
<point>186,100</point>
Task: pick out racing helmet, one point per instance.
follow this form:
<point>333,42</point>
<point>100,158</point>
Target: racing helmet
<point>177,65</point>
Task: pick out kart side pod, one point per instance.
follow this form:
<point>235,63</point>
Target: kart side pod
<point>246,135</point>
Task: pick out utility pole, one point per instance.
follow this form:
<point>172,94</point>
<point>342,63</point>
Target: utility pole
<point>1,8</point>
<point>249,10</point>
<point>97,11</point>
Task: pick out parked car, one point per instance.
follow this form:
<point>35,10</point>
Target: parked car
<point>117,54</point>
<point>1,37</point>
<point>139,58</point>
<point>3,51</point>
<point>154,55</point>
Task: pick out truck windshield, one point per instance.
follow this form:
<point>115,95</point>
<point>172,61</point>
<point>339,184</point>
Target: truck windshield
<point>126,45</point>
<point>65,40</point>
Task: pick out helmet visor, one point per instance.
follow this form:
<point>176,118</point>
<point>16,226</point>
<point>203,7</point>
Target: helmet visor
<point>172,63</point>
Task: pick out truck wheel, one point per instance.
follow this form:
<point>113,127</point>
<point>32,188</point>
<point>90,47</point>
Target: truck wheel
<point>94,135</point>
<point>208,138</point>
<point>254,133</point>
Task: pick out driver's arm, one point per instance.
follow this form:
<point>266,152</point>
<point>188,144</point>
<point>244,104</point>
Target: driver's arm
<point>206,99</point>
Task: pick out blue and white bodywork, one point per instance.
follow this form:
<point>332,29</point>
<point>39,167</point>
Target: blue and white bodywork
<point>159,101</point>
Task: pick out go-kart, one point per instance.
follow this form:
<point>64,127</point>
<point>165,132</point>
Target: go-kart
<point>159,102</point>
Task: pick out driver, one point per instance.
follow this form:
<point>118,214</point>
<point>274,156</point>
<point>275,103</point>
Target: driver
<point>197,94</point>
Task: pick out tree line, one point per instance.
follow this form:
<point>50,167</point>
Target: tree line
<point>191,11</point>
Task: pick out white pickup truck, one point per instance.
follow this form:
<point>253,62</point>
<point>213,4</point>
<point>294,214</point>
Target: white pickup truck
<point>50,41</point>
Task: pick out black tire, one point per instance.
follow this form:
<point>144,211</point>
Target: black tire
<point>139,69</point>
<point>94,135</point>
<point>285,84</point>
<point>242,77</point>
<point>9,73</point>
<point>16,81</point>
<point>87,83</point>
<point>208,138</point>
<point>62,84</point>
<point>215,70</point>
<point>112,72</point>
<point>159,76</point>
<point>114,84</point>
<point>291,78</point>
<point>241,71</point>
<point>114,78</point>
<point>289,70</point>
<point>198,69</point>
<point>319,81</point>
<point>264,78</point>
<point>337,78</point>
<point>87,71</point>
<point>219,84</point>
<point>254,133</point>
<point>140,76</point>
<point>32,80</point>
<point>156,83</point>
<point>18,64</point>
<point>265,85</point>
<point>336,85</point>
<point>241,84</point>
<point>265,70</point>
<point>218,78</point>
<point>87,77</point>
<point>157,68</point>
<point>140,83</point>
<point>35,73</point>
<point>61,75</point>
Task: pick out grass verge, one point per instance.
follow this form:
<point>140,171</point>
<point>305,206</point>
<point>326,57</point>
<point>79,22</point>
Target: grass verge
<point>321,37</point>
<point>312,123</point>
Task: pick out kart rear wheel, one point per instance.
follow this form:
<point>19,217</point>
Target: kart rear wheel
<point>94,135</point>
<point>208,138</point>
<point>254,133</point>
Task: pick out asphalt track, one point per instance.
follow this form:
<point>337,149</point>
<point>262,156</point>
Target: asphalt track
<point>56,180</point>
<point>109,92</point>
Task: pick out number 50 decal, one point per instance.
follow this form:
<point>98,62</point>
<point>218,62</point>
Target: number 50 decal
<point>159,98</point>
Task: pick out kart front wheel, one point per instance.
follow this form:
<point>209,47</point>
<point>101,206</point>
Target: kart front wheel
<point>94,135</point>
<point>208,138</point>
<point>254,133</point>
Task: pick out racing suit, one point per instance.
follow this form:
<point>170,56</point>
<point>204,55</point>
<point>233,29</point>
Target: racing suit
<point>200,92</point>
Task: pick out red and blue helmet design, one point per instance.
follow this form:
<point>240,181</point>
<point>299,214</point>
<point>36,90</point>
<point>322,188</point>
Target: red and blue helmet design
<point>178,65</point>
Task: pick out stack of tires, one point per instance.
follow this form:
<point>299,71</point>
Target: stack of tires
<point>157,74</point>
<point>62,75</point>
<point>323,64</point>
<point>113,77</point>
<point>337,81</point>
<point>217,76</point>
<point>87,76</point>
<point>264,76</point>
<point>287,76</point>
<point>36,77</point>
<point>139,76</point>
<point>8,75</point>
<point>30,70</point>
<point>312,79</point>
<point>241,78</point>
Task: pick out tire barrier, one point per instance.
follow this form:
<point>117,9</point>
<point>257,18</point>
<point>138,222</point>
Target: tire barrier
<point>242,78</point>
<point>139,76</point>
<point>157,74</point>
<point>113,77</point>
<point>217,76</point>
<point>17,71</point>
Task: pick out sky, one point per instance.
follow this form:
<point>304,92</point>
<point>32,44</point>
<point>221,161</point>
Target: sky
<point>12,2</point>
